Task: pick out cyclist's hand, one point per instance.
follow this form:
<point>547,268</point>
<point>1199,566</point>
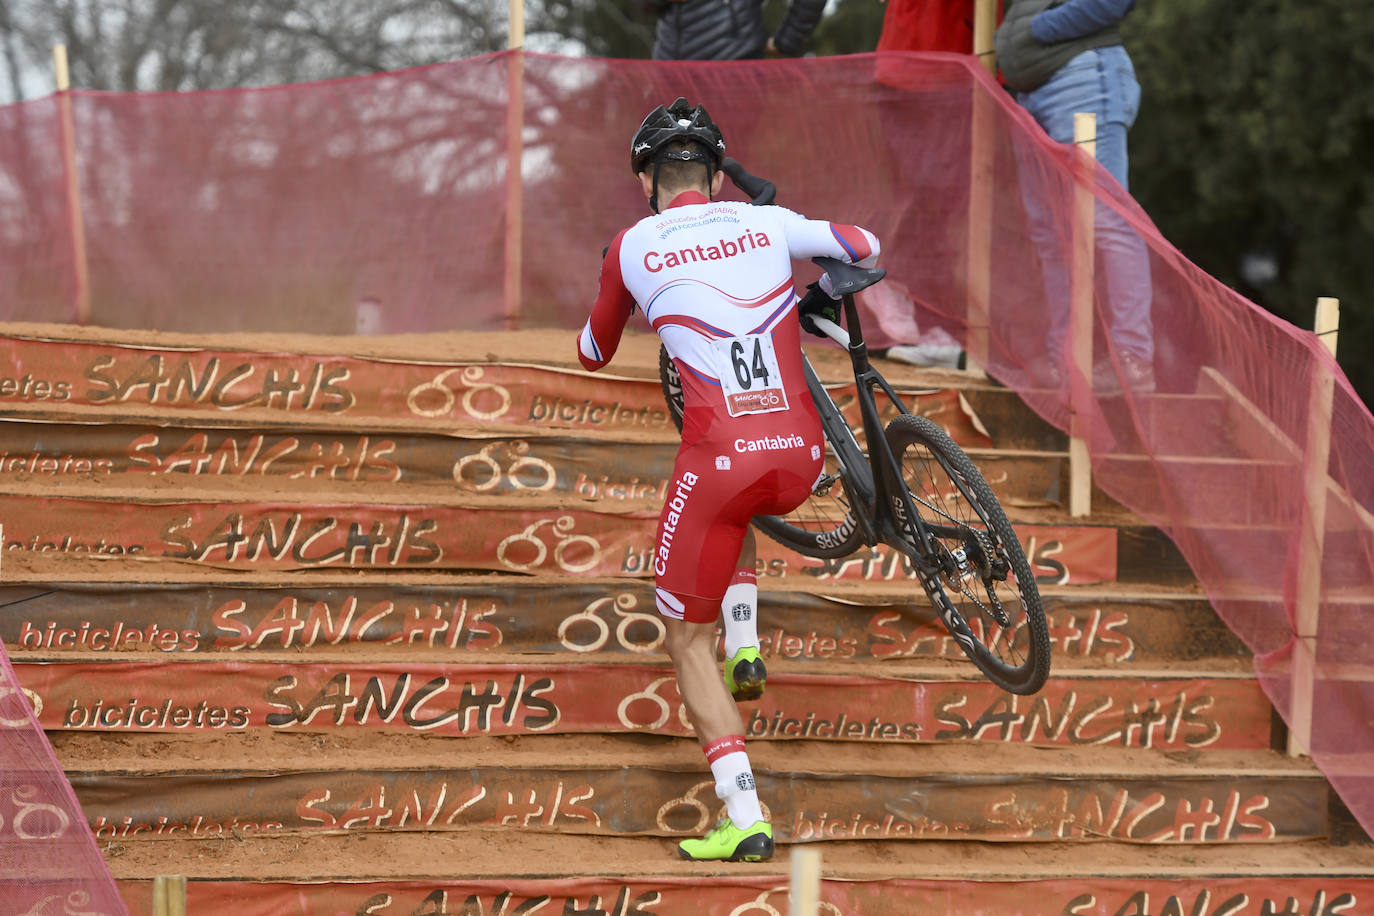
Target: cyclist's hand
<point>816,304</point>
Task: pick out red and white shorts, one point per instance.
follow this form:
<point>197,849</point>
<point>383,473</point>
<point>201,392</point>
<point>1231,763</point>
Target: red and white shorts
<point>719,484</point>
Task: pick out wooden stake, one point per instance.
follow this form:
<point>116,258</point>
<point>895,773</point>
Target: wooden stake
<point>75,220</point>
<point>515,154</point>
<point>1081,313</point>
<point>1312,534</point>
<point>978,275</point>
<point>515,37</point>
<point>515,151</point>
<point>984,26</point>
<point>804,896</point>
<point>169,895</point>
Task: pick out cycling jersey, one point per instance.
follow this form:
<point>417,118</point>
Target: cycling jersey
<point>714,280</point>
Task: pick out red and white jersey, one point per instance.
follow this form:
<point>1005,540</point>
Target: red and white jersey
<point>714,279</point>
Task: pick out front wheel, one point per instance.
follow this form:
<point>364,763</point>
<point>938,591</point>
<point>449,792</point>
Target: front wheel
<point>980,583</point>
<point>823,526</point>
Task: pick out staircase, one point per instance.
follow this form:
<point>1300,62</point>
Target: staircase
<point>366,626</point>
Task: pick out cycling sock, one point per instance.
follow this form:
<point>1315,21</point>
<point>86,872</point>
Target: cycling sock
<point>734,780</point>
<point>739,612</point>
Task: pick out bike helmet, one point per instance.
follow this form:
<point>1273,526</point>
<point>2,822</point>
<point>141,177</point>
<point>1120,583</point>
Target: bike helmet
<point>679,121</point>
<point>663,126</point>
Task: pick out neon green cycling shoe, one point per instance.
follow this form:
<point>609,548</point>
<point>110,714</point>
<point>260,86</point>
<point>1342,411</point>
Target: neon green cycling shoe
<point>731,844</point>
<point>745,674</point>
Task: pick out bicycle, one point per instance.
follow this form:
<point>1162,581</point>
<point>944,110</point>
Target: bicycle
<point>914,490</point>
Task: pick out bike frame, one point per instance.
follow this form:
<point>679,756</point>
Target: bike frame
<point>874,477</point>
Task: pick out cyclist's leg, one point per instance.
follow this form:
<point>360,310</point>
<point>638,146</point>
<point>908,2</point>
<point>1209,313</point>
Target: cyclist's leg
<point>782,488</point>
<point>695,552</point>
<point>739,607</point>
<point>692,648</point>
<point>745,673</point>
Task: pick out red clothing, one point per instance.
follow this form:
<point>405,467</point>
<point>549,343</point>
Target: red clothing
<point>929,25</point>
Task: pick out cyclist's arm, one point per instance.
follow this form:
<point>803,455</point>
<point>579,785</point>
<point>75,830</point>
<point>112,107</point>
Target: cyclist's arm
<point>601,334</point>
<point>812,238</point>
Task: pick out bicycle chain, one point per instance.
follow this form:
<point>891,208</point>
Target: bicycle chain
<point>989,554</point>
<point>823,484</point>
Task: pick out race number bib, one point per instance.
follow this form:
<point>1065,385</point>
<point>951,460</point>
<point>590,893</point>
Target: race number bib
<point>749,376</point>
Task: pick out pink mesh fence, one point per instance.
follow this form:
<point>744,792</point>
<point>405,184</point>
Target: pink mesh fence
<point>49,861</point>
<point>382,204</point>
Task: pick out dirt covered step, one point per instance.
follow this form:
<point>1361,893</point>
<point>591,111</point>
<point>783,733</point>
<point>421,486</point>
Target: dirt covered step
<point>154,463</point>
<point>1154,422</point>
<point>898,702</point>
<point>488,872</point>
<point>139,786</point>
<point>473,619</point>
<point>58,538</point>
<point>523,384</point>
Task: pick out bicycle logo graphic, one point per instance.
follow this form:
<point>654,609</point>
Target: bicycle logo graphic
<point>691,800</point>
<point>760,905</point>
<point>481,471</point>
<point>621,604</point>
<point>572,553</point>
<point>13,715</point>
<point>664,707</point>
<point>486,401</point>
<point>52,822</point>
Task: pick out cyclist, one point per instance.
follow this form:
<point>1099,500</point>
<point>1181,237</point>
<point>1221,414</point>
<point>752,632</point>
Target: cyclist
<point>714,280</point>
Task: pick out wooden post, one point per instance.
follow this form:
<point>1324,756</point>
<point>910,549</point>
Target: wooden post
<point>1312,534</point>
<point>515,154</point>
<point>1081,313</point>
<point>67,133</point>
<point>169,895</point>
<point>804,895</point>
<point>978,279</point>
<point>984,26</point>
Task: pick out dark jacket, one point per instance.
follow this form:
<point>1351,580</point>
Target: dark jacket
<point>728,29</point>
<point>1027,64</point>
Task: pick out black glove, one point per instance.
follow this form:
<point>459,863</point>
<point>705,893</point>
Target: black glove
<point>816,304</point>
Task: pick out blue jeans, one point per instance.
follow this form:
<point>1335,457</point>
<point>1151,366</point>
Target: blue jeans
<point>1100,81</point>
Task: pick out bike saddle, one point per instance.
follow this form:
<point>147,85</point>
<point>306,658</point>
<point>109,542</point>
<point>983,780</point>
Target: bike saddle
<point>847,279</point>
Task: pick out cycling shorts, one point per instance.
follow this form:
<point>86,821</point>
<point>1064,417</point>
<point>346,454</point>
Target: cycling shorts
<point>719,484</point>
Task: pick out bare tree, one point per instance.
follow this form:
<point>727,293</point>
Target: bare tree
<point>177,45</point>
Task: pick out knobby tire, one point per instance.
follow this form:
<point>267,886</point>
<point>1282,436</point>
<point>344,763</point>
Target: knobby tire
<point>1011,645</point>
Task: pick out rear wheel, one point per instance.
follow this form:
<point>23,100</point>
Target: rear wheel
<point>821,527</point>
<point>983,589</point>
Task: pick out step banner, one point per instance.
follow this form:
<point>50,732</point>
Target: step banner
<point>721,895</point>
<point>466,622</point>
<point>52,534</point>
<point>180,386</point>
<point>434,465</point>
<point>1163,808</point>
<point>454,700</point>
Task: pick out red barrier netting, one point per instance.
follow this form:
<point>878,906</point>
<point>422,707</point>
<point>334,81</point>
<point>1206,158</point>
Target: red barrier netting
<point>49,861</point>
<point>379,205</point>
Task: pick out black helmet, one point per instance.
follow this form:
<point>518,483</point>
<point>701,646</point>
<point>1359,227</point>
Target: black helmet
<point>679,121</point>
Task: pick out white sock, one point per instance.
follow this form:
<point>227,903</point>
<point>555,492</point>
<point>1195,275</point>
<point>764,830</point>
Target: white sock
<point>739,615</point>
<point>735,783</point>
